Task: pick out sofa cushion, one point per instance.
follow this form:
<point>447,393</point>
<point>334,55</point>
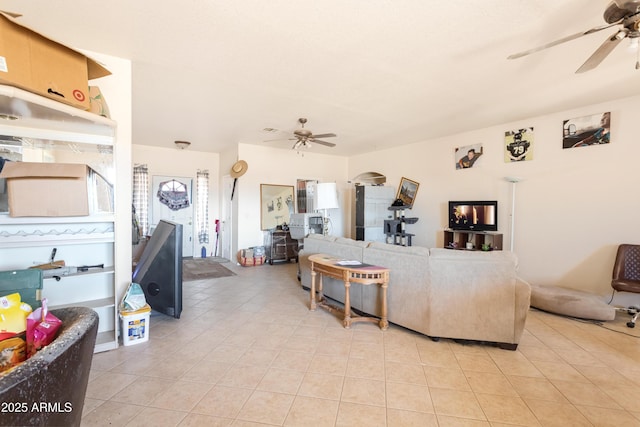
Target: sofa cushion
<point>403,250</point>
<point>350,242</point>
<point>319,237</point>
<point>408,290</point>
<point>461,255</point>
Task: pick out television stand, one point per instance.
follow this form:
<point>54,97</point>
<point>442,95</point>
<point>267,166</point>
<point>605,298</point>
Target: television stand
<point>457,239</point>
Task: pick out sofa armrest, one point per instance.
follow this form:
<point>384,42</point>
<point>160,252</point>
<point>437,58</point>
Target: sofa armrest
<point>474,295</point>
<point>523,303</point>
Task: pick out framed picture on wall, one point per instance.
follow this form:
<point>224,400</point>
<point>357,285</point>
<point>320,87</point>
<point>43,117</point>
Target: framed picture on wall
<point>276,205</point>
<point>407,191</point>
<point>518,145</point>
<point>586,130</point>
<point>466,156</point>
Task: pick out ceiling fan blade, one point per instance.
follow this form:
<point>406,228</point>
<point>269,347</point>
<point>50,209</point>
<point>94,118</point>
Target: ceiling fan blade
<point>328,144</point>
<point>602,52</point>
<point>562,40</point>
<point>280,139</point>
<point>325,135</point>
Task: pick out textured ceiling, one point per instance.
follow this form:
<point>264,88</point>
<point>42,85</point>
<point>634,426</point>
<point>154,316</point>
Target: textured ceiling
<point>378,73</point>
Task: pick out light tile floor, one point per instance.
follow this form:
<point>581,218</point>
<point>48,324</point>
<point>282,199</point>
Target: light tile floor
<point>248,352</point>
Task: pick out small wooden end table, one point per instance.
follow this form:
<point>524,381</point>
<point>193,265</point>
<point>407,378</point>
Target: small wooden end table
<point>349,272</point>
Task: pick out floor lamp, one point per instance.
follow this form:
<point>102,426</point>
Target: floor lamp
<point>513,180</point>
<point>326,198</point>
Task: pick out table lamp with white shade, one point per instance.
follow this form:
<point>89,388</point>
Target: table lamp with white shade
<point>326,197</point>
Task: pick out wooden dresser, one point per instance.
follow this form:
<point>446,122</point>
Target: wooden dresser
<point>281,247</point>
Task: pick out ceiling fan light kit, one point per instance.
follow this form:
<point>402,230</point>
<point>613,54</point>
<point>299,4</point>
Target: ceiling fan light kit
<point>304,137</point>
<point>619,12</point>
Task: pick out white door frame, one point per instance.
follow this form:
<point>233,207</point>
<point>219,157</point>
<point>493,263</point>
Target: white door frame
<point>226,222</point>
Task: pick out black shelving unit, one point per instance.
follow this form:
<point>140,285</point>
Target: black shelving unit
<point>395,229</point>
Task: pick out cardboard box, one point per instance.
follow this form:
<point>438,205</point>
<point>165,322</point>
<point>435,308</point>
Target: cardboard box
<point>33,62</point>
<point>46,189</point>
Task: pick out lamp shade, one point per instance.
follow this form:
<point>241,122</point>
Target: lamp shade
<point>326,196</point>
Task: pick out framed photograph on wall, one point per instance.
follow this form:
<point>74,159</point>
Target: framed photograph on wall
<point>466,156</point>
<point>518,145</point>
<point>586,130</point>
<point>407,192</point>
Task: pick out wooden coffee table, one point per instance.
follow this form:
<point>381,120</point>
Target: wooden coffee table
<point>349,272</point>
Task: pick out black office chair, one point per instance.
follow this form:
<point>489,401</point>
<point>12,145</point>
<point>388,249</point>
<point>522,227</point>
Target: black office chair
<point>626,275</point>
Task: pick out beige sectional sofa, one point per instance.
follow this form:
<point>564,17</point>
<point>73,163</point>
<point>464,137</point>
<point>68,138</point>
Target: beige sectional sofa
<point>442,293</point>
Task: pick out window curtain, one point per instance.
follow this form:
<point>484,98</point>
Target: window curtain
<point>141,196</point>
<point>202,206</point>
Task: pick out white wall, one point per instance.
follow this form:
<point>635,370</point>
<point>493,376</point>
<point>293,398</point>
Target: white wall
<point>116,89</point>
<point>573,207</point>
<point>228,207</point>
<point>284,167</point>
<point>172,161</point>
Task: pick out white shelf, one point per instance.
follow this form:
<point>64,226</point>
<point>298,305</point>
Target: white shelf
<point>91,272</point>
<point>42,118</point>
<point>46,130</point>
<point>105,341</point>
<point>48,240</point>
<point>45,231</point>
<point>451,230</point>
<point>94,304</point>
<point>5,219</point>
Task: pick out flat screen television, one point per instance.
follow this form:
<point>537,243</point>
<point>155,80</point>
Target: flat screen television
<point>473,215</point>
<point>159,271</point>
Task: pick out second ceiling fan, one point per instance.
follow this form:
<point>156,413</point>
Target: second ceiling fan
<point>304,137</point>
<point>625,13</point>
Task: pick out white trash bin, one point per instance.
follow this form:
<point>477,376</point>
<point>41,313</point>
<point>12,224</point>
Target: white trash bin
<point>135,325</point>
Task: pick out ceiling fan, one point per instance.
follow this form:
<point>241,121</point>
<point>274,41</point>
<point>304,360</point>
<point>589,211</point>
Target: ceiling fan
<point>625,13</point>
<point>304,137</point>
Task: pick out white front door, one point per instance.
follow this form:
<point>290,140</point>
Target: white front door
<point>173,200</point>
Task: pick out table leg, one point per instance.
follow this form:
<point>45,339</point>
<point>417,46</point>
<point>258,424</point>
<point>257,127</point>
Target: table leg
<point>384,324</point>
<point>312,292</point>
<point>320,293</point>
<point>347,305</point>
